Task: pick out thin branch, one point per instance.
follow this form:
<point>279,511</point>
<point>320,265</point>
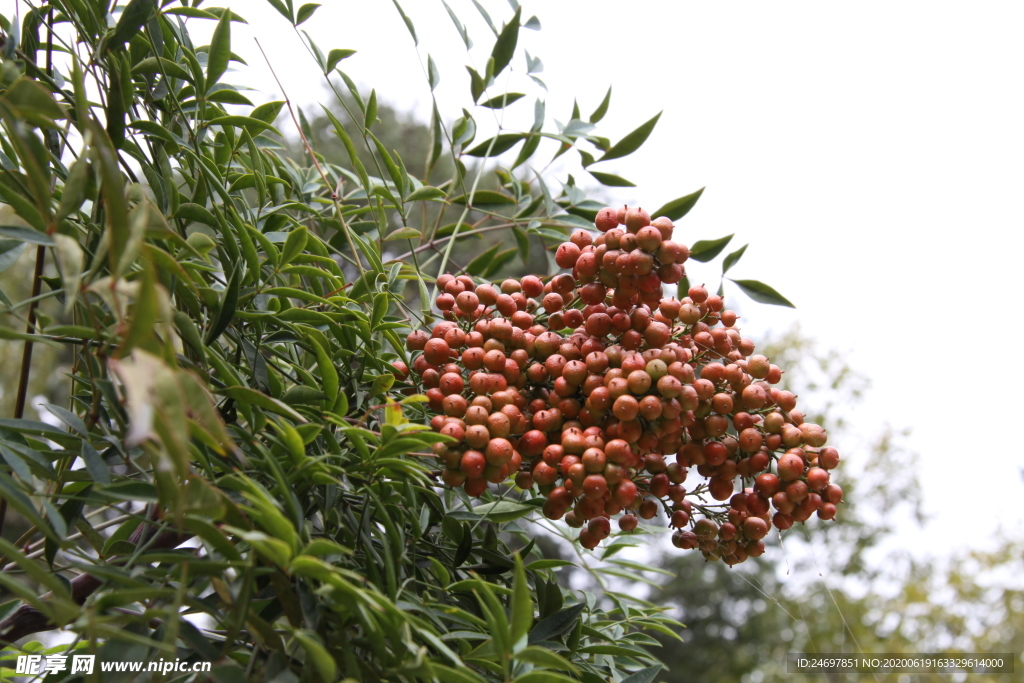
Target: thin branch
<point>316,163</point>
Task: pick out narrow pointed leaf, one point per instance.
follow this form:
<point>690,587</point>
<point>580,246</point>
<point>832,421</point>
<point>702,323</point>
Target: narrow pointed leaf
<point>522,606</point>
<point>677,208</point>
<point>503,100</point>
<point>503,143</point>
<point>433,75</point>
<point>631,142</point>
<point>458,26</point>
<point>758,291</point>
<point>644,675</point>
<point>134,16</point>
<point>227,307</point>
<point>732,258</point>
<point>505,47</point>
<point>408,22</point>
<point>220,50</point>
<point>556,624</point>
<point>305,12</point>
<point>705,250</point>
<point>335,56</point>
<point>602,108</point>
<point>611,180</point>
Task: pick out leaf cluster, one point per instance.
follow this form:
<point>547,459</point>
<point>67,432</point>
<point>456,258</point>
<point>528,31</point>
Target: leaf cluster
<point>241,474</point>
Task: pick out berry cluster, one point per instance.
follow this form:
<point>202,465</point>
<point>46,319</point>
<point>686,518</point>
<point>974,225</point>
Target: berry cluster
<point>603,393</point>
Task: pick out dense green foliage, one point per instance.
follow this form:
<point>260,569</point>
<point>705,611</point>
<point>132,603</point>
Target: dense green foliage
<point>237,445</point>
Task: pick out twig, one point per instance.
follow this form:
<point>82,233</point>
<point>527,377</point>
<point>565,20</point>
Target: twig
<point>316,162</point>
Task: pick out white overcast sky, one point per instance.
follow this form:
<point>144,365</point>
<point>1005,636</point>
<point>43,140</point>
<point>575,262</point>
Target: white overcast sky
<point>871,153</point>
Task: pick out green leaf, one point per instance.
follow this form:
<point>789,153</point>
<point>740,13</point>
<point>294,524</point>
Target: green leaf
<point>502,143</point>
<point>602,108</point>
<point>458,26</point>
<point>403,234</point>
<point>285,10</point>
<point>130,490</point>
<point>503,510</point>
<point>305,12</point>
<point>33,101</point>
<point>303,395</point>
<point>25,235</point>
<point>152,65</point>
<point>340,131</point>
<point>294,244</point>
<point>644,675</point>
<point>220,51</point>
<point>537,565</point>
<point>487,17</point>
<point>154,129</point>
<point>335,56</point>
<point>322,660</point>
<point>544,677</point>
<point>503,100</point>
<point>34,570</point>
<point>370,115</point>
<point>94,464</point>
<point>261,400</point>
<point>21,502</point>
<point>433,76</point>
<point>556,624</point>
<point>268,111</point>
<point>426,192</point>
<point>499,261</point>
<point>532,143</point>
<point>706,250</point>
<point>196,214</point>
<point>227,307</point>
<point>479,264</point>
<point>228,96</point>
<point>381,303</point>
<point>545,658</point>
<point>631,142</point>
<point>132,19</point>
<point>408,23</point>
<point>196,13</point>
<point>505,47</point>
<point>447,674</point>
<point>10,252</point>
<point>732,258</point>
<point>521,604</point>
<point>8,333</point>
<point>436,138</point>
<point>485,198</point>
<point>522,242</point>
<point>758,291</point>
<point>23,207</point>
<point>465,547</point>
<point>611,180</point>
<point>477,84</point>
<point>254,126</point>
<point>614,650</point>
<point>397,177</point>
<point>67,417</point>
<point>677,208</point>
